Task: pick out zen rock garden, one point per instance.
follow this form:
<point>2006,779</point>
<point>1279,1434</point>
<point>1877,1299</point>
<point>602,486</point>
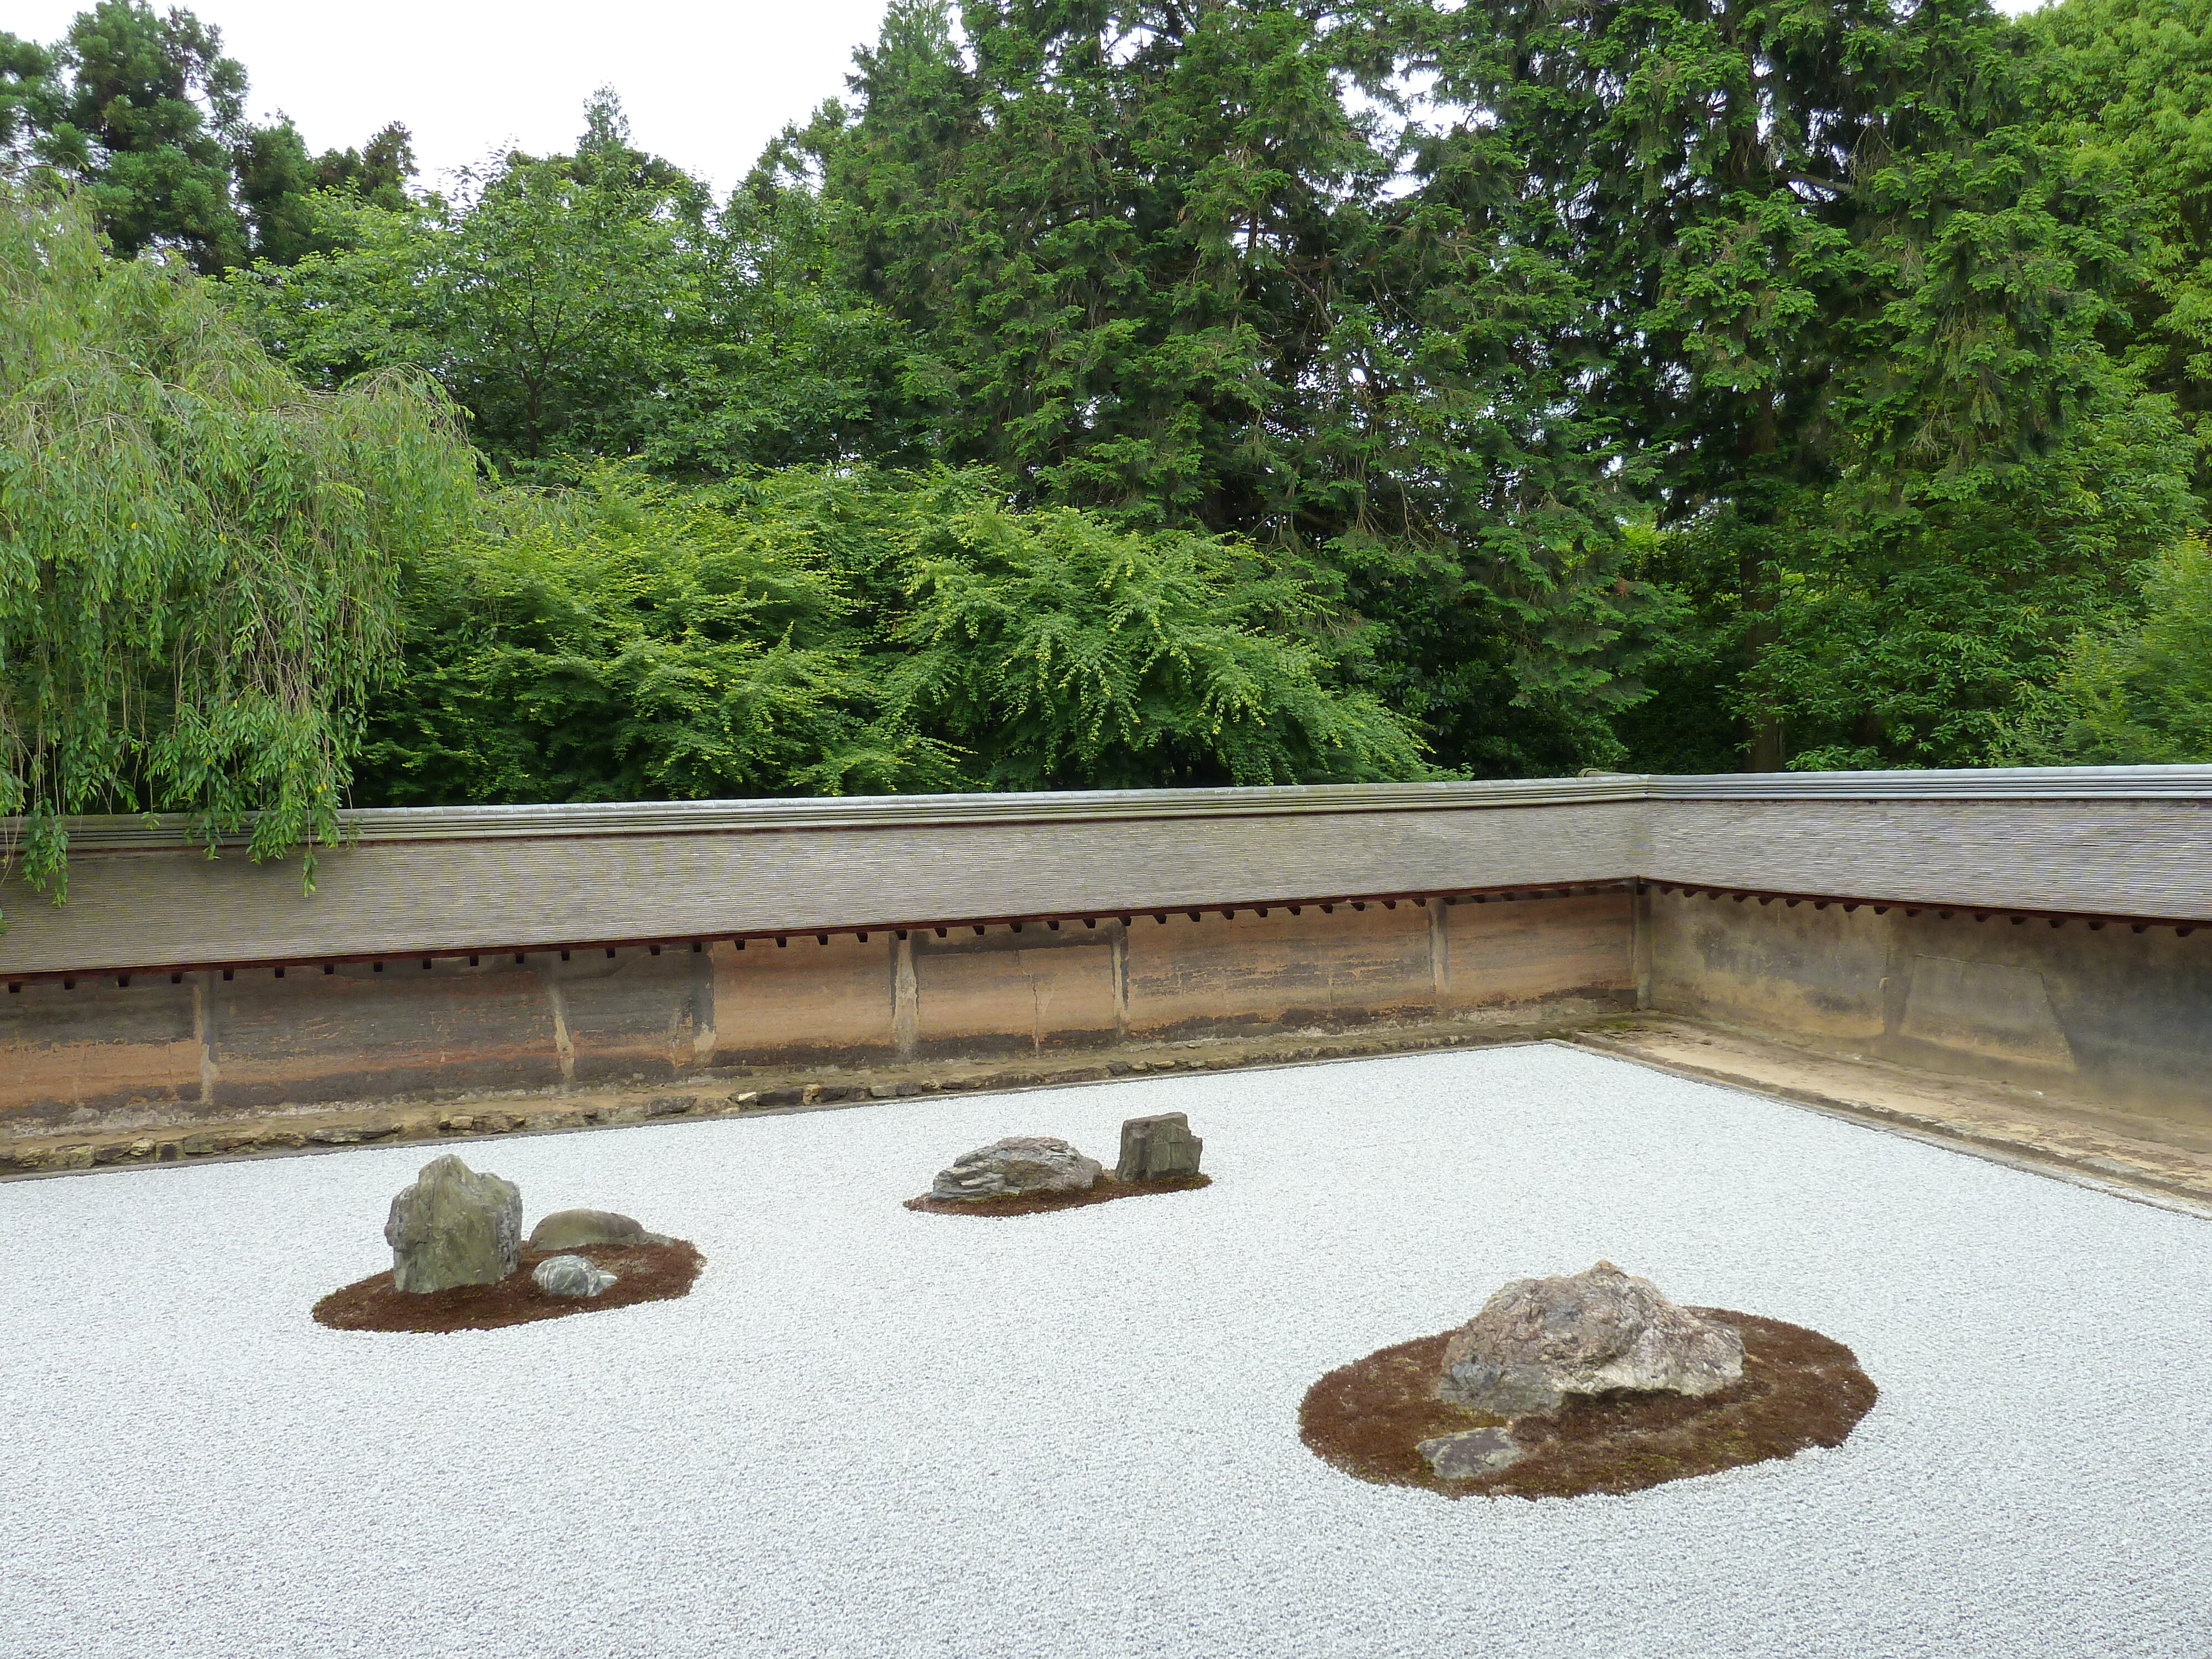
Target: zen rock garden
<point>1024,1175</point>
<point>459,1261</point>
<point>1558,1386</point>
<point>1589,1381</point>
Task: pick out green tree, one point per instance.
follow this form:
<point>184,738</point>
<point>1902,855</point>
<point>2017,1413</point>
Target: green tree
<point>627,641</point>
<point>2138,695</point>
<point>1170,274</point>
<point>379,173</point>
<point>198,559</point>
<point>811,631</point>
<point>141,111</point>
<point>1062,652</point>
<point>278,182</point>
<point>2128,83</point>
<point>1852,304</point>
<point>593,306</point>
<point>146,114</point>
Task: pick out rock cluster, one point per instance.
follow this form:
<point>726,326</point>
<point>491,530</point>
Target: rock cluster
<point>453,1227</point>
<point>1154,1148</point>
<point>570,1275</point>
<point>1019,1164</point>
<point>1538,1340</point>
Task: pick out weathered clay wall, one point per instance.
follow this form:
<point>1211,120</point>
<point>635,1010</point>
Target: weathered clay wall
<point>450,949</point>
<point>217,1042</point>
<point>2108,1013</point>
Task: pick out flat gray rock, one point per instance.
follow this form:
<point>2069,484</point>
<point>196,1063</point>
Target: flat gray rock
<point>1538,1340</point>
<point>1019,1164</point>
<point>570,1275</point>
<point>453,1227</point>
<point>571,1230</point>
<point>1471,1452</point>
<point>1158,1146</point>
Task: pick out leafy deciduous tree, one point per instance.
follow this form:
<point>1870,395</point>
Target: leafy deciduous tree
<point>825,632</point>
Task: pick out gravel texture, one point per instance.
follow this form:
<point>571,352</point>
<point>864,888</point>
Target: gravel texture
<point>869,1431</point>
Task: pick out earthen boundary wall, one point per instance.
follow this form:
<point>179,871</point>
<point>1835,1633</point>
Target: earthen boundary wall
<point>2051,927</point>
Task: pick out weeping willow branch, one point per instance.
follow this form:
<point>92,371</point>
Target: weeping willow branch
<point>198,559</point>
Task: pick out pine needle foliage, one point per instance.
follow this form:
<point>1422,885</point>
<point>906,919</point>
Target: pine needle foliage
<point>198,559</point>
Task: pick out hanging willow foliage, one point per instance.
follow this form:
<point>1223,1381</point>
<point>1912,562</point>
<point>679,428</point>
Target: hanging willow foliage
<point>198,559</point>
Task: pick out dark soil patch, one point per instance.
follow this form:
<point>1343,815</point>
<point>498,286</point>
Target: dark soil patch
<point>644,1273</point>
<point>1799,1389</point>
<point>1104,1190</point>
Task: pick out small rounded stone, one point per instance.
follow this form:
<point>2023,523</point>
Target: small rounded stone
<point>570,1275</point>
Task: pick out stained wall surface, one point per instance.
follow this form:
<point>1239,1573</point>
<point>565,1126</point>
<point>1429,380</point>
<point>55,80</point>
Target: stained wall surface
<point>2107,1011</point>
<point>214,1042</point>
<point>457,949</point>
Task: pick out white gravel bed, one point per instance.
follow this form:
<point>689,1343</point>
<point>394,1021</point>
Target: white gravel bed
<point>869,1432</point>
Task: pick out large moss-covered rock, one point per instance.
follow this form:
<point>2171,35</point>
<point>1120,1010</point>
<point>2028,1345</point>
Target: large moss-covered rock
<point>571,1230</point>
<point>453,1227</point>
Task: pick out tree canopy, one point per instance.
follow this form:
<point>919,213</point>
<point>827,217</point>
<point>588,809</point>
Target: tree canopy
<point>146,112</point>
<point>1112,393</point>
<point>199,557</point>
<point>813,631</point>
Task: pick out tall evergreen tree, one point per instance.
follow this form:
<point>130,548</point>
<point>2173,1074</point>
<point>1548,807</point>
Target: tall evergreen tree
<point>145,112</point>
<point>1172,274</point>
<point>141,110</point>
<point>1852,304</point>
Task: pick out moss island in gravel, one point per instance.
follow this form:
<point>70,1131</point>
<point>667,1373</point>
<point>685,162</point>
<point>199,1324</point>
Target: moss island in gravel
<point>643,1272</point>
<point>1799,1388</point>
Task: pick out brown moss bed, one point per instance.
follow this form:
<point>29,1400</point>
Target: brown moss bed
<point>1104,1190</point>
<point>644,1273</point>
<point>1799,1388</point>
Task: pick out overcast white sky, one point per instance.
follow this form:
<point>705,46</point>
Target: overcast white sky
<point>706,84</point>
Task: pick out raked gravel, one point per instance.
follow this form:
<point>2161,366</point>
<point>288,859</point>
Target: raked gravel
<point>869,1431</point>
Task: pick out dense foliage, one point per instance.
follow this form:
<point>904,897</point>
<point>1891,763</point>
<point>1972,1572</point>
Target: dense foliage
<point>2142,694</point>
<point>595,304</point>
<point>199,557</point>
<point>1130,391</point>
<point>816,632</point>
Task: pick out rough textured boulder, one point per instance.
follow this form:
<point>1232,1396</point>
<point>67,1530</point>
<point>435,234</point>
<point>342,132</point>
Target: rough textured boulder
<point>1471,1452</point>
<point>1156,1147</point>
<point>1540,1339</point>
<point>454,1227</point>
<point>1019,1164</point>
<point>571,1230</point>
<point>570,1275</point>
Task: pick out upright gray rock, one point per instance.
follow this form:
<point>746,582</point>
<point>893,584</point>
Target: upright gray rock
<point>571,1230</point>
<point>1540,1339</point>
<point>1019,1164</point>
<point>1158,1146</point>
<point>454,1227</point>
